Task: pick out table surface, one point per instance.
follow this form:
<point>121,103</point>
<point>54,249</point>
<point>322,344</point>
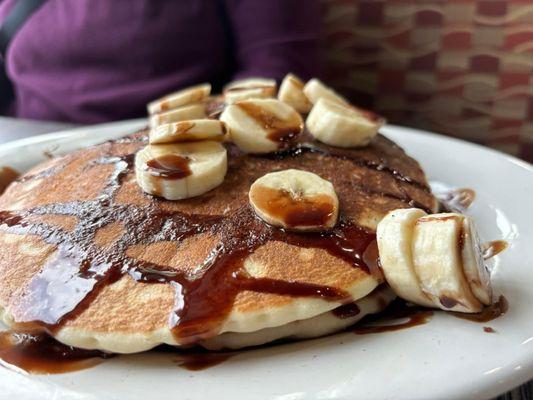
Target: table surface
<point>13,129</point>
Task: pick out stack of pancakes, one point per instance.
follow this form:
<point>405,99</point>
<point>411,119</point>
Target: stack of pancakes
<point>91,259</point>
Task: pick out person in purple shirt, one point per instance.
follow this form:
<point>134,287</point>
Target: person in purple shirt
<point>90,61</point>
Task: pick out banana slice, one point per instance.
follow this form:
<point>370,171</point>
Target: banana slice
<point>188,131</point>
<point>476,271</point>
<point>262,125</point>
<point>180,171</point>
<point>252,88</point>
<point>342,125</point>
<point>434,260</point>
<point>180,98</point>
<point>394,237</point>
<point>192,111</point>
<point>296,200</point>
<point>437,258</point>
<point>291,92</point>
<point>315,90</point>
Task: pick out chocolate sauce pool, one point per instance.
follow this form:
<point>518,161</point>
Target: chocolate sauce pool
<point>38,353</point>
<point>398,315</point>
<point>401,315</point>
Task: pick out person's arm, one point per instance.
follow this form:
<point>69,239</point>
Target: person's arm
<point>274,37</point>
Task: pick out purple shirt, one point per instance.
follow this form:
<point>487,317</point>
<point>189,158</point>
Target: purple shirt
<point>91,61</point>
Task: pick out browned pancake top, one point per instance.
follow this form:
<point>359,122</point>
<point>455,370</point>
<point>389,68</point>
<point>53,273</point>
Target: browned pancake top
<point>103,255</point>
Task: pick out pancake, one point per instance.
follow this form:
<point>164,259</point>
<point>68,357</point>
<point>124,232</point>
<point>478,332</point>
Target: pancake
<point>321,325</point>
<point>90,258</point>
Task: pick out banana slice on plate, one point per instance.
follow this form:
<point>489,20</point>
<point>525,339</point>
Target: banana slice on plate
<point>191,111</point>
<point>315,90</point>
<point>291,92</point>
<point>440,253</point>
<point>295,200</point>
<point>395,237</point>
<point>342,125</point>
<point>190,95</point>
<point>252,88</point>
<point>476,271</point>
<point>262,125</point>
<point>180,171</point>
<point>437,257</point>
<point>188,131</point>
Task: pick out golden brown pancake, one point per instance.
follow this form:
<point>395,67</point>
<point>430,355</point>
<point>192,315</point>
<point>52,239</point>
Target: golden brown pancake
<point>321,325</point>
<point>89,257</point>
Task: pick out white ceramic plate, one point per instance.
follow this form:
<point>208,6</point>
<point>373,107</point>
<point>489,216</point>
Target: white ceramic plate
<point>446,358</point>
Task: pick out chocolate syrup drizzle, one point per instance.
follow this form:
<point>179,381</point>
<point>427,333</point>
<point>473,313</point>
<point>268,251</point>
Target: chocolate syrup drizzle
<point>169,166</point>
<point>279,130</point>
<point>378,165</point>
<point>80,269</point>
<point>41,354</point>
<point>398,315</point>
<point>381,164</point>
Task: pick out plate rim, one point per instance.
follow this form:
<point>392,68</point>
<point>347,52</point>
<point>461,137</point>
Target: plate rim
<point>67,133</point>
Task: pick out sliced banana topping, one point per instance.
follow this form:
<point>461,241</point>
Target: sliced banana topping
<point>438,262</point>
<point>188,131</point>
<point>296,200</point>
<point>252,88</point>
<point>476,271</point>
<point>342,125</point>
<point>191,111</point>
<point>262,125</point>
<point>440,253</point>
<point>291,92</point>
<point>395,238</point>
<point>315,90</point>
<point>180,171</point>
<point>190,95</point>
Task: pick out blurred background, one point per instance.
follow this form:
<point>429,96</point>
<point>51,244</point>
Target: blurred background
<point>459,67</point>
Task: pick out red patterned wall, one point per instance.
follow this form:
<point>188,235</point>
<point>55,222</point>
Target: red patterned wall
<point>459,67</point>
